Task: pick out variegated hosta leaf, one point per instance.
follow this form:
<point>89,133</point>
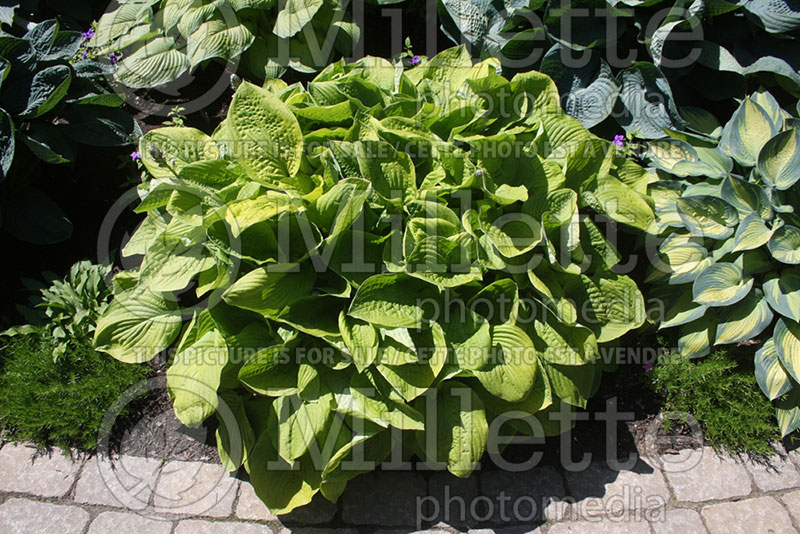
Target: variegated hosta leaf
<point>783,293</point>
<point>707,216</point>
<point>682,310</point>
<point>680,261</point>
<point>722,284</point>
<point>779,160</point>
<point>682,159</point>
<point>746,197</point>
<point>155,62</point>
<point>787,346</point>
<point>770,374</point>
<point>746,133</point>
<point>751,233</point>
<point>743,321</point>
<point>787,410</point>
<point>785,244</point>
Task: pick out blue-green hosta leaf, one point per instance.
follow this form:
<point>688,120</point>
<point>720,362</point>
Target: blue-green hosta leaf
<point>156,62</point>
<point>695,338</point>
<point>294,15</point>
<point>688,20</point>
<point>775,16</point>
<point>137,325</point>
<point>779,160</point>
<point>7,143</point>
<point>646,115</point>
<point>267,290</point>
<point>460,429</point>
<point>591,90</point>
<point>268,134</point>
<point>512,370</point>
<point>746,133</point>
<point>783,293</point>
<point>7,12</point>
<point>217,38</point>
<point>770,374</point>
<point>787,411</point>
<point>393,301</point>
<point>784,245</point>
<point>195,373</point>
<point>787,345</point>
<point>721,284</point>
<point>751,233</point>
<point>707,216</point>
<point>745,59</point>
<point>744,321</point>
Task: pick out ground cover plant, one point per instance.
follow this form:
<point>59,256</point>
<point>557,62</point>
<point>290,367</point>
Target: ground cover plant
<point>55,388</point>
<point>632,57</point>
<point>158,42</point>
<point>52,101</point>
<point>727,267</point>
<point>347,252</point>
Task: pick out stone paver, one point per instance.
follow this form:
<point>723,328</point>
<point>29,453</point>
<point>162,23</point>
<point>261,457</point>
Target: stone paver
<point>792,502</point>
<point>600,490</point>
<point>195,488</point>
<point>127,482</point>
<point>699,475</point>
<point>679,521</point>
<point>250,507</point>
<point>523,497</point>
<point>21,516</point>
<point>763,514</point>
<point>383,498</point>
<point>778,474</point>
<point>121,523</point>
<point>621,525</point>
<point>193,526</point>
<point>45,476</point>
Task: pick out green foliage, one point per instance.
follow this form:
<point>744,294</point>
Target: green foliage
<point>160,41</point>
<point>66,311</point>
<point>59,403</point>
<point>722,394</point>
<point>370,243</point>
<point>50,103</point>
<point>708,47</point>
<point>727,265</point>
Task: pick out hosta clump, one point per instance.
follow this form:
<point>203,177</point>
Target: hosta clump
<point>162,40</point>
<point>729,263</point>
<point>352,253</point>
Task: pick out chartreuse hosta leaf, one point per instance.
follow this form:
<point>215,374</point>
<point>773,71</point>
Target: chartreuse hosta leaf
<point>770,374</point>
<point>358,251</point>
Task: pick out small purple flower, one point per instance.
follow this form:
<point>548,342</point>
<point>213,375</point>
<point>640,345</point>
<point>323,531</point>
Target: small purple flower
<point>88,34</point>
<point>619,140</point>
<point>648,367</point>
<point>415,60</point>
<point>85,54</point>
<point>114,57</point>
<point>136,156</point>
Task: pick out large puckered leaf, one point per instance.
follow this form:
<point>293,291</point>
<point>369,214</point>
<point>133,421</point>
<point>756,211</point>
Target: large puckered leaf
<point>645,114</point>
<point>393,301</point>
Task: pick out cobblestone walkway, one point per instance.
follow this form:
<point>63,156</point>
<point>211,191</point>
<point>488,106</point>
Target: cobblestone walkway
<point>694,492</point>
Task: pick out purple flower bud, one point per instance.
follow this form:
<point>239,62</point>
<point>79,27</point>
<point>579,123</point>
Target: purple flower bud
<point>136,156</point>
<point>113,57</point>
<point>648,367</point>
<point>415,60</point>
